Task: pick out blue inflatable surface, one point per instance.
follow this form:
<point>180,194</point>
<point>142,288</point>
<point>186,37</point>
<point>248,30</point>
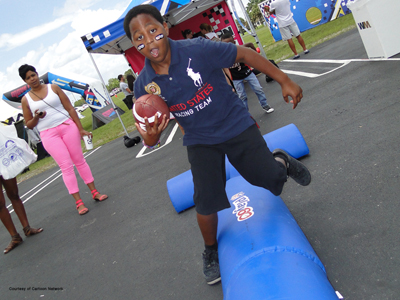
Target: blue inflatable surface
<point>263,253</point>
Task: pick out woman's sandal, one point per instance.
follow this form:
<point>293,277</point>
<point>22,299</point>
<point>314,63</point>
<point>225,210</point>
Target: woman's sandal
<point>79,203</point>
<point>28,230</point>
<point>102,197</point>
<point>15,241</point>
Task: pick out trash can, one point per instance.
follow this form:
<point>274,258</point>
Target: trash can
<point>378,24</point>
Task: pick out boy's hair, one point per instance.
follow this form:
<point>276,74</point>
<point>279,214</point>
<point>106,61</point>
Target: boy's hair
<point>227,35</point>
<point>205,26</point>
<point>22,70</point>
<point>141,9</point>
<point>120,76</point>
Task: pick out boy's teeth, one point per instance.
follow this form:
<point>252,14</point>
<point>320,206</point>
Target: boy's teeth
<point>154,52</point>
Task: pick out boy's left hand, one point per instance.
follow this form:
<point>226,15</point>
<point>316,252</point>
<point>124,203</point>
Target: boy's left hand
<point>293,90</point>
<point>152,133</point>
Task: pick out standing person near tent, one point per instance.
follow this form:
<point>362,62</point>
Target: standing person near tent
<point>47,107</point>
<point>11,188</point>
<point>187,34</point>
<point>131,80</point>
<point>287,25</point>
<point>187,75</point>
<point>240,72</point>
<point>126,90</point>
<point>208,33</point>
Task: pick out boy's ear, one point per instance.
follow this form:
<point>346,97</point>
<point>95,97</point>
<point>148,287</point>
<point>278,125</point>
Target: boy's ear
<point>166,28</point>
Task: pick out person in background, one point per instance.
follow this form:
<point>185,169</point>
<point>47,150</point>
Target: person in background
<point>47,107</point>
<point>187,34</point>
<point>11,188</point>
<point>131,80</point>
<point>208,33</point>
<point>241,72</point>
<point>287,25</point>
<point>126,90</point>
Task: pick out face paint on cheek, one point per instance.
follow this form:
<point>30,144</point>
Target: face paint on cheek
<point>159,37</point>
<point>140,47</point>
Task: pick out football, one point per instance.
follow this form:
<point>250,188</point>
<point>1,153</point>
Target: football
<point>147,106</point>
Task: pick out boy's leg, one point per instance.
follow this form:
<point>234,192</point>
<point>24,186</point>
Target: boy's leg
<point>208,225</point>
<point>249,154</point>
<point>239,86</point>
<point>257,88</point>
<point>209,178</point>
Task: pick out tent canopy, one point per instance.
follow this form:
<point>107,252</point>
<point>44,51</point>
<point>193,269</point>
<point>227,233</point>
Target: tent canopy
<point>111,39</point>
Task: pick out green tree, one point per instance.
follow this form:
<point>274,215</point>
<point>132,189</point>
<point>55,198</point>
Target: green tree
<point>241,29</point>
<point>79,102</point>
<point>128,72</point>
<point>112,84</point>
<point>254,12</point>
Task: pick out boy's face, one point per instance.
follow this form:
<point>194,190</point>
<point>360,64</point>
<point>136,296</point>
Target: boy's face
<point>149,37</point>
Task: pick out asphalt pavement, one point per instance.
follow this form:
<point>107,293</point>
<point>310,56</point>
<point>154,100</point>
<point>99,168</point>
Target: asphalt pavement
<point>135,246</point>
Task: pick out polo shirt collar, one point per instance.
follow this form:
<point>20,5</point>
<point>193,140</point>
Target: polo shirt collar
<point>174,58</point>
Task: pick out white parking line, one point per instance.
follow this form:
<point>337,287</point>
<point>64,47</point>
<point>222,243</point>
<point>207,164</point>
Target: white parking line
<point>169,139</point>
<point>342,62</point>
<point>48,178</point>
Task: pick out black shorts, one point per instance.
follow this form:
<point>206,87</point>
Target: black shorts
<point>248,153</point>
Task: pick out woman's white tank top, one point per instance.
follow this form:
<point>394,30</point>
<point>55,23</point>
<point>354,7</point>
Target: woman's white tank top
<point>55,111</point>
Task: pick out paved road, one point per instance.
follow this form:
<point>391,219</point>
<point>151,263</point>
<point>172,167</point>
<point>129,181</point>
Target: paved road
<point>135,246</point>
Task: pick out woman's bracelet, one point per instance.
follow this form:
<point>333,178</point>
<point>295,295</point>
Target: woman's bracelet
<point>152,147</point>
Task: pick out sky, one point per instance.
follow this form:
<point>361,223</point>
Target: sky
<point>47,34</point>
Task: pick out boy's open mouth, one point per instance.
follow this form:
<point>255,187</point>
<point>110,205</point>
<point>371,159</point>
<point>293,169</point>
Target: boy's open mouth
<point>154,52</point>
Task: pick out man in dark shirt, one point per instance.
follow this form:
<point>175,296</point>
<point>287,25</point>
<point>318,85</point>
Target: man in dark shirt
<point>241,72</point>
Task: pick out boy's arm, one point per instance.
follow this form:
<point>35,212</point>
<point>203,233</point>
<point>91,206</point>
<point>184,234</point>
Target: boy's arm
<point>253,59</point>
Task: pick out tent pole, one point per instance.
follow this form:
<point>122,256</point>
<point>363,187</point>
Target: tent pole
<point>112,102</point>
<point>253,31</point>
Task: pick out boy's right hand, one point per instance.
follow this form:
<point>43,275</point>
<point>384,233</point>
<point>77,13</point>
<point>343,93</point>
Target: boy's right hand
<point>292,89</point>
<point>152,133</point>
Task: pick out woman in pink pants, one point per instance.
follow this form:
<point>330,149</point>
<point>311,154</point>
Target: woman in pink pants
<point>47,107</point>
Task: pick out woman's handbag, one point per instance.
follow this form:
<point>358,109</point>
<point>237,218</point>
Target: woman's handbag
<point>15,153</point>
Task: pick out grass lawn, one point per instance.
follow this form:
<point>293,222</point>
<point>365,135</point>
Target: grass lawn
<point>277,51</point>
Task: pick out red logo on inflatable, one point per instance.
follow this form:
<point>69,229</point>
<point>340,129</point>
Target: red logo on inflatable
<point>242,210</point>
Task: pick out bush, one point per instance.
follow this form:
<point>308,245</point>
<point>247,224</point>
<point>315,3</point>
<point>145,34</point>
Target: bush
<point>79,102</point>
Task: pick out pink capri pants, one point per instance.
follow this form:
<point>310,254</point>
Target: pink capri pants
<point>63,143</point>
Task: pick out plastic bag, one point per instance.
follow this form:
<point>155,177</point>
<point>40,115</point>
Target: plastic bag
<point>15,154</point>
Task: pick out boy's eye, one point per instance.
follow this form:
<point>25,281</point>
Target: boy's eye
<point>153,30</point>
<point>140,37</point>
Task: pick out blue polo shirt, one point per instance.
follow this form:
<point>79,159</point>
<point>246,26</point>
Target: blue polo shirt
<point>196,91</point>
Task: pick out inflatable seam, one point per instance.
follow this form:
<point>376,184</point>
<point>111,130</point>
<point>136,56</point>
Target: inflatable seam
<point>277,249</point>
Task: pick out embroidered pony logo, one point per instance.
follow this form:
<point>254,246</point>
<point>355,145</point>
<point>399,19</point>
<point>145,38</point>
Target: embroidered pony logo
<point>198,82</point>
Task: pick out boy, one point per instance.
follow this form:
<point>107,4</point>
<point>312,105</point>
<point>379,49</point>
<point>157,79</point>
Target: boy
<point>187,75</point>
<point>240,72</point>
